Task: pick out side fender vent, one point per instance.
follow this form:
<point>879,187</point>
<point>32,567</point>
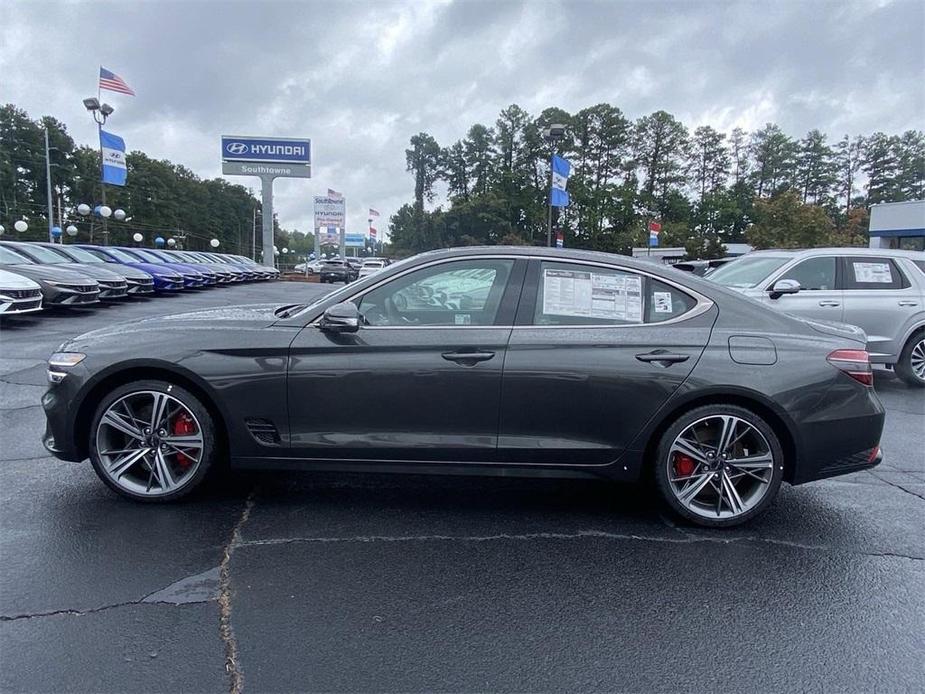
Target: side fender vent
<point>263,430</point>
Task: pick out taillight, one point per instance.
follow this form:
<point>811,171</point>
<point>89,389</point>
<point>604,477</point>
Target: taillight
<point>855,363</point>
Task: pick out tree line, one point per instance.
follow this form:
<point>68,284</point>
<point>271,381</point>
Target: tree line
<point>706,187</point>
<point>163,199</point>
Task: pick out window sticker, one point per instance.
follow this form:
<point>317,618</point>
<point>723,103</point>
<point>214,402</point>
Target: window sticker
<point>587,294</point>
<point>873,273</point>
<point>662,301</point>
<point>463,319</point>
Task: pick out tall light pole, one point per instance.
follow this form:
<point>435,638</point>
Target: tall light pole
<point>100,113</point>
<point>553,134</point>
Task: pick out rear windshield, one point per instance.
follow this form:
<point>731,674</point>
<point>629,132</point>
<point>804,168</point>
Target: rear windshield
<point>745,273</point>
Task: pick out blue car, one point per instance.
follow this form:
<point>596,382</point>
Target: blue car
<point>165,279</point>
<point>193,278</point>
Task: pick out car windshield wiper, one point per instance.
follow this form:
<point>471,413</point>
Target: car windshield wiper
<point>288,310</point>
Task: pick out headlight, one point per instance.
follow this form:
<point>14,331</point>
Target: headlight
<point>66,359</point>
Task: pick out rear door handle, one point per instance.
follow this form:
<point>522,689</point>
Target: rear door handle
<point>829,302</point>
<point>907,302</point>
<point>468,358</point>
<point>662,358</point>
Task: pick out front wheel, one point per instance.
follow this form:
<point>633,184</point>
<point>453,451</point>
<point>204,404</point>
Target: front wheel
<point>152,441</point>
<point>719,465</point>
<point>911,364</point>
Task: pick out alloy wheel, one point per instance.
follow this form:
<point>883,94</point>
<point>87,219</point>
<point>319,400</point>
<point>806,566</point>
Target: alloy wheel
<point>149,443</point>
<point>720,467</point>
<point>917,359</point>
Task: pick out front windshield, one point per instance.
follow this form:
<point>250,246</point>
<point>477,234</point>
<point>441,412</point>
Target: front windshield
<point>46,255</point>
<point>122,256</point>
<point>745,273</point>
<point>9,257</point>
<point>147,255</point>
<point>81,255</point>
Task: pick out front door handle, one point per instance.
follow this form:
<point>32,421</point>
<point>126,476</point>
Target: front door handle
<point>662,357</point>
<point>829,302</point>
<point>467,358</point>
<point>908,302</point>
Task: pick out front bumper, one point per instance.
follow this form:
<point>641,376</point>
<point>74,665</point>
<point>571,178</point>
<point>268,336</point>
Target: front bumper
<point>20,301</point>
<point>138,287</point>
<point>72,295</point>
<point>113,290</point>
<point>58,402</point>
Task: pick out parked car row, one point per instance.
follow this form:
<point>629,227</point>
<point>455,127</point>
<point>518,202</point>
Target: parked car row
<point>342,269</point>
<point>36,275</point>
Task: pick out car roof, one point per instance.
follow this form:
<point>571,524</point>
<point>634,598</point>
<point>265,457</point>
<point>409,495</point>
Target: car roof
<point>842,250</point>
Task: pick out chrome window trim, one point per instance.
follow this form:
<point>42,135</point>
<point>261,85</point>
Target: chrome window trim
<point>703,305</point>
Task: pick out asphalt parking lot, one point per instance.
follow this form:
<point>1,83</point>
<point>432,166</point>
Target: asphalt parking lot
<point>368,583</point>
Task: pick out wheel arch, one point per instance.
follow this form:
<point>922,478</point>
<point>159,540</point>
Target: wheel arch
<point>138,371</point>
<point>750,400</point>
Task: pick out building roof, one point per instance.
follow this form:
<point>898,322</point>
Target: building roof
<point>898,218</point>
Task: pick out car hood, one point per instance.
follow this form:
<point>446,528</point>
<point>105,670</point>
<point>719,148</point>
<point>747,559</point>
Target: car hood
<point>12,280</point>
<point>833,329</point>
<point>152,269</point>
<point>50,273</point>
<point>208,321</point>
<point>94,271</point>
<point>129,271</point>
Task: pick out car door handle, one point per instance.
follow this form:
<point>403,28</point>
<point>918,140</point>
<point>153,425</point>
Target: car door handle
<point>467,358</point>
<point>907,302</point>
<point>829,302</point>
<point>662,357</point>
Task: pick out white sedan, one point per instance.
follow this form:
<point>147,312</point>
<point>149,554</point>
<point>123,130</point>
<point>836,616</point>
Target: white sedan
<point>370,267</point>
<point>18,294</point>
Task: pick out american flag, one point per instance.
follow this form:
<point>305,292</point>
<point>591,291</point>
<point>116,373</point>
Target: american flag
<point>114,83</point>
<point>373,213</point>
<point>372,232</point>
<point>334,194</point>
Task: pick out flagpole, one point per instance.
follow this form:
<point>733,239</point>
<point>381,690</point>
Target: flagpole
<point>51,213</point>
<point>549,216</point>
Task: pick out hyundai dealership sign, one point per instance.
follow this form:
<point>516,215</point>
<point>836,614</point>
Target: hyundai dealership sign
<point>267,150</point>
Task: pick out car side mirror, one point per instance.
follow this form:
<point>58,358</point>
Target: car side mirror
<point>341,318</point>
<point>782,287</point>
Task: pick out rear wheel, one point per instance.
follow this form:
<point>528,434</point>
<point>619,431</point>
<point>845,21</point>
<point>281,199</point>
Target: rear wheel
<point>719,465</point>
<point>911,364</point>
<point>152,441</point>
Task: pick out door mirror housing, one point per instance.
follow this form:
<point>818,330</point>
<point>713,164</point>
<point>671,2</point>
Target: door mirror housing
<point>782,287</point>
<point>341,318</point>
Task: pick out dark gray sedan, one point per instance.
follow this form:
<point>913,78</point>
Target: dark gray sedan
<point>488,361</point>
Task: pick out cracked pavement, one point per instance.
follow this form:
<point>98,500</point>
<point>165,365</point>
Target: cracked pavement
<point>285,581</point>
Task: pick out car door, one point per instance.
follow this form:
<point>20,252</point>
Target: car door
<point>595,352</point>
<point>421,379</point>
<point>820,296</point>
<point>882,301</point>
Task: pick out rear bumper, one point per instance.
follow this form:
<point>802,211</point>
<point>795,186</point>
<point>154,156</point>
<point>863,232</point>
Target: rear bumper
<point>841,438</point>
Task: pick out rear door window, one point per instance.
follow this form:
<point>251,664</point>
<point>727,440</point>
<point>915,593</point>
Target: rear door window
<point>873,273</point>
<point>572,294</point>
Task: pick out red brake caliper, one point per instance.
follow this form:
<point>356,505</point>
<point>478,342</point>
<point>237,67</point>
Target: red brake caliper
<point>684,465</point>
<point>183,425</point>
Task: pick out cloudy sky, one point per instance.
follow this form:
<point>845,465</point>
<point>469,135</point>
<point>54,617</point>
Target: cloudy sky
<point>360,78</point>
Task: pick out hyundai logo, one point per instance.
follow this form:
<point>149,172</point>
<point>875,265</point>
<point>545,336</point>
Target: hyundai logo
<point>236,148</point>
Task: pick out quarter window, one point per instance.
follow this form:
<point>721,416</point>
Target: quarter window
<point>813,273</point>
<point>466,292</point>
<point>588,295</point>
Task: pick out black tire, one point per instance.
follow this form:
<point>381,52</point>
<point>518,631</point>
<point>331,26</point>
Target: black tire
<point>191,402</point>
<point>904,366</point>
<point>662,463</point>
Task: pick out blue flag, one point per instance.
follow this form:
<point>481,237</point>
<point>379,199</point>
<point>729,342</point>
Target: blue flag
<point>113,147</point>
<point>560,171</point>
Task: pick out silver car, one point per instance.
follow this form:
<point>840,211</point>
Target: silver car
<point>879,290</point>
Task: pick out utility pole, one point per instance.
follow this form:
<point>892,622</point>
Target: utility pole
<point>51,213</point>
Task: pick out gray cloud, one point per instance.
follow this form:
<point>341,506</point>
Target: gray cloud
<point>361,78</point>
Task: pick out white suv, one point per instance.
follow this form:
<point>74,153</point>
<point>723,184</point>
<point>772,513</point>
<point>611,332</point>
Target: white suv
<point>879,290</point>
